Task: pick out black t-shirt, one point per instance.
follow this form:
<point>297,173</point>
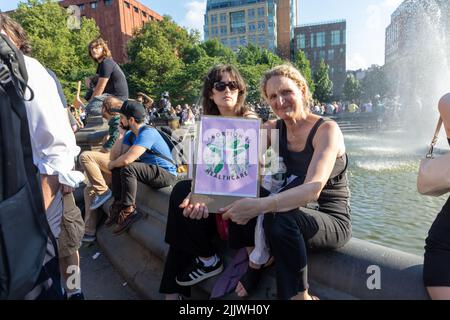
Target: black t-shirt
<point>117,83</point>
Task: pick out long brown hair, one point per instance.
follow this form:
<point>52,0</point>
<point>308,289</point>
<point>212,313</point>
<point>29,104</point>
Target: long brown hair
<point>16,33</point>
<point>99,42</point>
<point>215,75</point>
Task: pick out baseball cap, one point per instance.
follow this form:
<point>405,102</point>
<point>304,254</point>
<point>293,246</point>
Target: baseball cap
<point>132,108</point>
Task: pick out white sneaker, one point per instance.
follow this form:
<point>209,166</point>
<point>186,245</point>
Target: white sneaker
<point>99,200</point>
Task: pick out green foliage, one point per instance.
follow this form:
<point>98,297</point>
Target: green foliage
<point>302,64</point>
<point>56,46</point>
<point>324,86</point>
<point>375,83</point>
<point>352,88</point>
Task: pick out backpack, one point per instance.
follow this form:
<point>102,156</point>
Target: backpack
<point>173,147</point>
<point>24,230</point>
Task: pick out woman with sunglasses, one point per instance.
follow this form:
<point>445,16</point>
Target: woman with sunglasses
<point>191,228</point>
<point>314,153</point>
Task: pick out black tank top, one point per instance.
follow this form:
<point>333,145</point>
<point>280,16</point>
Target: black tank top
<point>334,197</point>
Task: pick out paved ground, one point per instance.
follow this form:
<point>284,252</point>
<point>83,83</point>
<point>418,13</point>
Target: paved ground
<point>99,280</point>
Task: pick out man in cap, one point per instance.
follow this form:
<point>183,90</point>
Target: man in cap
<point>141,155</point>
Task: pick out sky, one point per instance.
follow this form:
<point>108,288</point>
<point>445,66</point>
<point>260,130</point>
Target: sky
<point>366,21</point>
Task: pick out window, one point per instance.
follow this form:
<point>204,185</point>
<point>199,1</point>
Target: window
<point>94,4</point>
<point>252,39</point>
<point>261,26</point>
<point>237,22</point>
<point>214,31</point>
<point>251,13</point>
<point>136,9</point>
<point>261,40</point>
<point>251,27</point>
<point>320,39</point>
<point>223,18</point>
<point>261,12</point>
<point>312,40</point>
<point>144,14</point>
<point>341,50</point>
<point>243,41</point>
<point>301,41</point>
<point>233,42</point>
<point>322,54</point>
<point>214,19</point>
<point>331,54</point>
<point>335,37</point>
<point>107,2</point>
<point>127,5</point>
<point>223,30</point>
<point>81,6</point>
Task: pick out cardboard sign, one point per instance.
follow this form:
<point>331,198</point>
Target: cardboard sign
<point>226,165</point>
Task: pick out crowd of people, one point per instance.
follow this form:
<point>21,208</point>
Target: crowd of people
<point>311,147</point>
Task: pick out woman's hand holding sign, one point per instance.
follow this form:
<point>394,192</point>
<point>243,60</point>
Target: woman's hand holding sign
<point>241,211</point>
<point>194,211</point>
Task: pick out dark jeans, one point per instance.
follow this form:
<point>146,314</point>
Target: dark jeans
<point>125,179</point>
<point>292,234</point>
<point>190,238</point>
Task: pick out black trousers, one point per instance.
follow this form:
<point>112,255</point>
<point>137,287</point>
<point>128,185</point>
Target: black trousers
<point>292,234</point>
<point>189,238</point>
<point>436,270</point>
<point>124,180</point>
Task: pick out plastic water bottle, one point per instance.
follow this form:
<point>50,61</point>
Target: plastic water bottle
<point>278,180</point>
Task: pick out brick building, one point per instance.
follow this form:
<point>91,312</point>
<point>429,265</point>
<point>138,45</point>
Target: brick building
<point>327,41</point>
<point>116,19</point>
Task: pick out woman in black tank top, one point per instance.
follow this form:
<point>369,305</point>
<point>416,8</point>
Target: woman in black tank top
<point>314,151</point>
<point>436,267</point>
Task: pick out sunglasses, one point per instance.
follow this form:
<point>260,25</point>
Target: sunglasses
<point>220,86</point>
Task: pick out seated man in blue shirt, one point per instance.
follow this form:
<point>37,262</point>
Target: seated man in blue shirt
<point>141,155</point>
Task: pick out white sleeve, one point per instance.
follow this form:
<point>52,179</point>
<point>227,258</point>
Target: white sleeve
<point>53,141</point>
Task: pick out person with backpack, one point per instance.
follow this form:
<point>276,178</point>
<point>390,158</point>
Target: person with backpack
<point>95,166</point>
<point>53,149</point>
<point>141,155</point>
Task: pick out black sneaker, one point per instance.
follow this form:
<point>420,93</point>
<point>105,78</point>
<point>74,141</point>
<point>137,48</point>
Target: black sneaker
<point>199,272</point>
<point>77,296</point>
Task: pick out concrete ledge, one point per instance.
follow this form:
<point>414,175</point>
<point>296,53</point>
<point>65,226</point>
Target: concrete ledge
<point>338,274</point>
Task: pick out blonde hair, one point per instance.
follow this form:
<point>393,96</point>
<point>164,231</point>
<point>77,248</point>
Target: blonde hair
<point>288,71</point>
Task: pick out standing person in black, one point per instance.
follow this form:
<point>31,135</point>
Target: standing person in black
<point>436,267</point>
<point>111,79</point>
<point>313,150</point>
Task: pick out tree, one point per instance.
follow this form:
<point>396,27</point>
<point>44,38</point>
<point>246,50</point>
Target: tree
<point>214,48</point>
<point>352,88</point>
<point>156,55</point>
<point>324,86</point>
<point>54,44</point>
<point>302,64</point>
<point>375,83</point>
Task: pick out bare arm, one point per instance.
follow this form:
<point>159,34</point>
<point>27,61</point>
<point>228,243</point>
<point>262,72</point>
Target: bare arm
<point>118,148</point>
<point>444,110</point>
<point>133,153</point>
<point>50,186</point>
<point>328,144</point>
<point>100,87</point>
